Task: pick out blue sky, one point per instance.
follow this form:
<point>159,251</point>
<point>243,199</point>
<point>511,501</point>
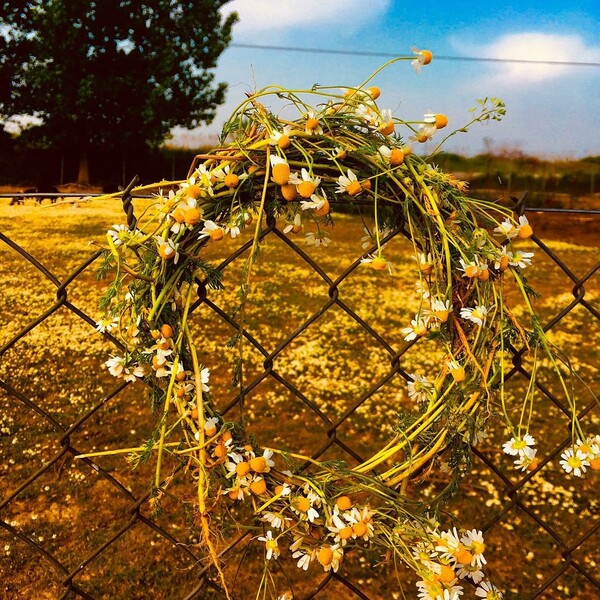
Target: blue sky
<point>551,110</point>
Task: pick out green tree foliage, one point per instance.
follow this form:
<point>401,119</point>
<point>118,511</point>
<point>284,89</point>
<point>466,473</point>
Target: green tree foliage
<point>110,73</point>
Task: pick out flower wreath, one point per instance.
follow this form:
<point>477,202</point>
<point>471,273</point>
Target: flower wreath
<point>344,148</point>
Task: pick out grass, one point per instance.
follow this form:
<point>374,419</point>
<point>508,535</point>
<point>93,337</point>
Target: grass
<point>71,511</point>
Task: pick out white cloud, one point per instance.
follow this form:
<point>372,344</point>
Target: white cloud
<point>530,46</point>
<point>277,15</point>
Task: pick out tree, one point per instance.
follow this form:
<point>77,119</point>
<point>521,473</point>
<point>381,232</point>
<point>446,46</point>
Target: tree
<point>109,73</point>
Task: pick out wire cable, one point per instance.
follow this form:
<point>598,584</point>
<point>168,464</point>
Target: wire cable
<point>392,55</point>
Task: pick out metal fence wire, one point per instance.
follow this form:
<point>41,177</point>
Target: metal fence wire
<point>71,576</point>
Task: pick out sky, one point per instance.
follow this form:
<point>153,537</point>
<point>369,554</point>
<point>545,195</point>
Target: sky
<point>552,110</point>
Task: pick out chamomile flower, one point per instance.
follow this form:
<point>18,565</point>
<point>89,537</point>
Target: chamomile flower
<point>425,262</point>
<point>476,314</point>
<point>385,122</point>
<point>212,230</point>
<point>422,289</point>
<point>280,170</point>
<point>506,228</point>
<point>118,367</point>
<point>276,520</point>
<point>518,446</point>
<point>270,545</point>
<point>471,269</point>
<point>367,114</point>
<point>305,184</point>
<point>317,239</point>
<point>295,226</point>
<point>348,184</point>
<point>589,447</point>
<point>501,260</point>
<point>377,263</point>
<point>362,523</point>
<point>424,133</point>
<point>312,125</point>
<point>468,571</point>
<point>423,57</point>
<point>281,138</point>
<point>106,324</point>
<point>318,204</point>
<point>473,542</point>
<point>419,388</point>
<point>118,234</point>
<point>393,156</point>
<point>302,505</point>
<point>418,328</point>
<point>167,249</point>
<point>574,461</point>
<point>457,371</point>
<point>304,556</point>
<point>488,591</point>
<point>441,309</point>
<point>342,532</point>
<point>519,259</point>
<point>524,230</point>
<point>526,461</point>
<point>233,230</point>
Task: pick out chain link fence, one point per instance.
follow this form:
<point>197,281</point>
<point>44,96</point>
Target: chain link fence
<point>71,575</point>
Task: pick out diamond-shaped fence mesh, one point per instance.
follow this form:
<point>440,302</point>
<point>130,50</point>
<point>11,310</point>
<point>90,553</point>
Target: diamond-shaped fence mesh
<point>84,527</point>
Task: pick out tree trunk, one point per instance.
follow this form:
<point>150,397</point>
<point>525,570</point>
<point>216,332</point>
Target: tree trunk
<point>83,178</point>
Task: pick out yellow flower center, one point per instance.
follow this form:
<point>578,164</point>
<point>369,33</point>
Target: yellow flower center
<point>477,547</point>
<point>306,189</point>
<point>302,503</point>
<point>281,173</point>
<point>344,503</point>
<point>283,142</point>
<point>312,124</point>
<point>325,556</point>
<point>242,469</point>
<point>353,188</point>
<point>259,464</point>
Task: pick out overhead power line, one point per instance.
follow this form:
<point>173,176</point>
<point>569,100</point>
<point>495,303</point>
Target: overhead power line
<point>437,57</point>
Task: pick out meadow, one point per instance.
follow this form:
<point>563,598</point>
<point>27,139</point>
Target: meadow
<point>58,365</point>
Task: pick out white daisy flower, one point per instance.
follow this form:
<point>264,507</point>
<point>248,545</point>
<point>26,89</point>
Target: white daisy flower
<point>281,137</point>
<point>348,184</point>
<point>423,57</point>
<point>507,228</point>
<point>212,230</point>
<point>304,558</point>
<point>419,388</point>
<point>519,259</point>
<point>488,591</point>
<point>106,324</point>
<point>441,309</point>
<point>525,459</point>
<point>418,328</point>
<point>315,203</point>
<point>473,542</point>
<point>474,573</point>
<point>270,545</point>
<point>296,226</point>
<point>519,446</point>
<point>477,314</point>
<point>317,239</point>
<point>118,234</point>
<point>276,520</point>
<point>574,461</point>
